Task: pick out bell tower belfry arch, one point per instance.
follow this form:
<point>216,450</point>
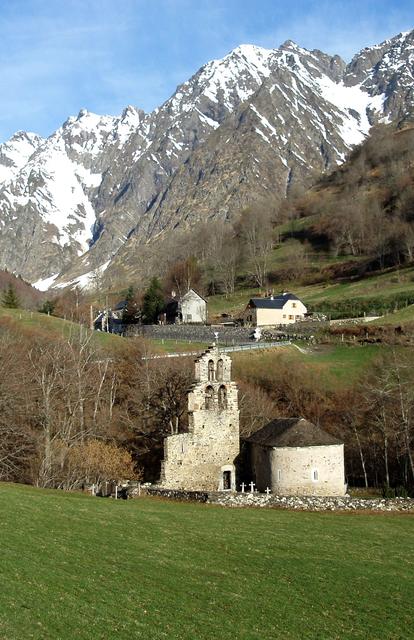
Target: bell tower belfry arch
<point>204,458</point>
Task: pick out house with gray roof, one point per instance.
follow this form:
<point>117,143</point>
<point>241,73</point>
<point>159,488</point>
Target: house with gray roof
<point>285,308</point>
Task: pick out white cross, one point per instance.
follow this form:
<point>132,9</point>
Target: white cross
<point>252,485</point>
<point>242,487</point>
<point>268,490</point>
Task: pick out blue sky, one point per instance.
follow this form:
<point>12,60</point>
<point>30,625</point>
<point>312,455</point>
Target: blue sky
<point>58,56</point>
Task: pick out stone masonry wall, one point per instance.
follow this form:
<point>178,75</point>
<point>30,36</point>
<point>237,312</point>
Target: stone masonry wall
<point>294,503</point>
<point>197,460</point>
<point>290,470</point>
<point>298,464</point>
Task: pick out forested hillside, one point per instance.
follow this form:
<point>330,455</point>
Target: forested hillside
<point>366,207</point>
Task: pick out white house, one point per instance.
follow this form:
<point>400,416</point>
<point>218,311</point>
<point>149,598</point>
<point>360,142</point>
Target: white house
<point>191,308</point>
<point>285,308</point>
<point>292,456</point>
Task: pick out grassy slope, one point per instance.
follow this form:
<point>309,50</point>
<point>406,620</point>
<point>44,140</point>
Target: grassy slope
<point>402,316</point>
<point>176,346</point>
<point>332,364</point>
<point>382,285</point>
<point>35,323</point>
<point>80,567</point>
<point>329,364</point>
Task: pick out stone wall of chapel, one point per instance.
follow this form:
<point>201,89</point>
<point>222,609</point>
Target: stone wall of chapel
<point>297,466</point>
<point>291,470</point>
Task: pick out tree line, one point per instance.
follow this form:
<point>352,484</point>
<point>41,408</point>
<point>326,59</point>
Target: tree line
<point>73,413</point>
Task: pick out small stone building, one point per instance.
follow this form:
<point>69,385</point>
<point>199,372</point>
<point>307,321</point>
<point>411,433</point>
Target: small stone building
<point>285,308</point>
<point>292,456</point>
<point>204,458</point>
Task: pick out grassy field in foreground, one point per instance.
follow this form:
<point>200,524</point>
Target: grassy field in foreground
<point>73,566</point>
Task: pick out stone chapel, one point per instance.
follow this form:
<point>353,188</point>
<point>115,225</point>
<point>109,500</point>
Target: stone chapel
<point>204,458</point>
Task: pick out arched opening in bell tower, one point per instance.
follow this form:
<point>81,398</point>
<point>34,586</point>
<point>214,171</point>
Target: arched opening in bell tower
<point>222,397</point>
<point>209,398</point>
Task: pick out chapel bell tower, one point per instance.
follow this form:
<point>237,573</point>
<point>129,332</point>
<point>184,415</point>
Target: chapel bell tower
<point>204,458</point>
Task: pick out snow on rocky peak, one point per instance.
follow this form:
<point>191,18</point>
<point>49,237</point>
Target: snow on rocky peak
<point>16,152</point>
<point>399,58</point>
<point>225,82</point>
<point>87,133</point>
<point>48,184</point>
<point>237,76</point>
<point>126,125</point>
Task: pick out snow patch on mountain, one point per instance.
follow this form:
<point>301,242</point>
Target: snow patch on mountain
<point>45,283</point>
<point>348,99</point>
<point>84,281</point>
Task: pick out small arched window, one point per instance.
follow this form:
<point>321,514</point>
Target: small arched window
<point>211,370</point>
<point>220,370</point>
<point>315,475</point>
<point>209,398</point>
<point>222,397</point>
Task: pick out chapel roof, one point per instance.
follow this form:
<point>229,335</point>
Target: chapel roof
<point>292,432</point>
<point>274,302</point>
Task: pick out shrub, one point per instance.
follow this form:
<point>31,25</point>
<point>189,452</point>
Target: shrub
<point>401,492</point>
<point>388,492</point>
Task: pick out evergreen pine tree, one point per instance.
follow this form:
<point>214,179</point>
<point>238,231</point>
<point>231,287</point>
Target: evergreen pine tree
<point>47,307</point>
<point>10,299</point>
<point>153,302</point>
<point>130,310</point>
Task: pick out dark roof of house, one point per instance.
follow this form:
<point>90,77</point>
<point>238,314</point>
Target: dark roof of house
<point>121,305</point>
<point>275,302</point>
<point>292,432</point>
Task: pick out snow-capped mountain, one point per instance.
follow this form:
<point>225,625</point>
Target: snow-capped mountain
<point>16,152</point>
<point>242,128</point>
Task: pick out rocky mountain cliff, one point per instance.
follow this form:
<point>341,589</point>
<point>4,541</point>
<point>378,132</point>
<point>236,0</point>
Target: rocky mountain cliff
<point>243,128</point>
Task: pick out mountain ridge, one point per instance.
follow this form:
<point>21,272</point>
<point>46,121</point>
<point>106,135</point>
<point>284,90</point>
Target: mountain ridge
<point>253,123</point>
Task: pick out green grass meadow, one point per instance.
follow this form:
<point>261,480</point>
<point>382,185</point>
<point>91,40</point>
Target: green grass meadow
<point>73,566</point>
<point>329,365</point>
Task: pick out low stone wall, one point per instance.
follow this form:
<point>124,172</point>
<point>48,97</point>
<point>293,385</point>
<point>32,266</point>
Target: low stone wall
<point>295,503</point>
<point>311,503</point>
<point>175,494</point>
<point>195,333</point>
